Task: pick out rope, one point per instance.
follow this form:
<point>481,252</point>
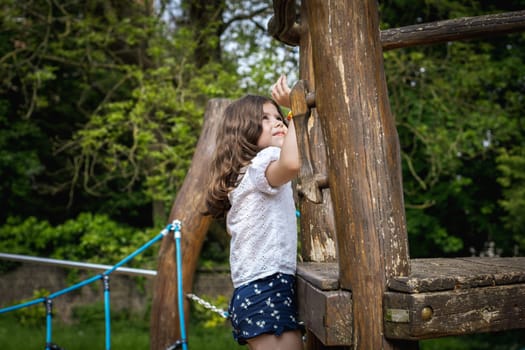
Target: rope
<point>208,305</point>
<point>177,235</point>
<point>48,301</point>
<point>107,317</point>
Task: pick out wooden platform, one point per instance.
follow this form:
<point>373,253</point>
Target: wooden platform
<point>441,297</point>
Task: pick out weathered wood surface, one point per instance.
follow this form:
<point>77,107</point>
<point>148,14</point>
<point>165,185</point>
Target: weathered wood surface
<point>324,276</point>
<point>440,297</point>
<point>282,25</point>
<point>465,28</point>
<point>454,312</point>
<point>318,242</point>
<point>341,51</point>
<point>188,206</point>
<point>453,29</point>
<point>364,167</point>
<point>429,275</point>
<point>328,315</point>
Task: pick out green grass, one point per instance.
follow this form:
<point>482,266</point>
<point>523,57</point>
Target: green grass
<point>134,335</point>
<point>125,335</point>
<point>509,340</point>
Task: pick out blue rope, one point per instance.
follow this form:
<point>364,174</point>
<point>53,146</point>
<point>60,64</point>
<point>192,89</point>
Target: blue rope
<point>20,306</point>
<point>137,252</point>
<point>48,301</point>
<point>107,312</point>
<point>74,287</point>
<point>49,318</point>
<point>177,235</point>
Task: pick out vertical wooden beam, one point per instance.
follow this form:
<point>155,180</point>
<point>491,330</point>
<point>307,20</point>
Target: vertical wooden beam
<point>188,206</point>
<point>318,242</point>
<point>363,157</point>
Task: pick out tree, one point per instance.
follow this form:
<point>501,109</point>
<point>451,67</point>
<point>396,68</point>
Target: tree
<point>95,86</point>
<point>457,107</point>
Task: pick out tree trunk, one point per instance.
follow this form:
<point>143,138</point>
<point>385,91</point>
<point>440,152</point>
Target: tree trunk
<point>205,18</point>
<point>188,206</point>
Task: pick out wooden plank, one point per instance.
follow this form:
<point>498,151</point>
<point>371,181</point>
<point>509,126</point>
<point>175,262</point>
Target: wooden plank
<point>324,276</point>
<point>456,312</point>
<point>327,314</point>
<point>284,29</point>
<point>429,275</point>
<point>453,29</point>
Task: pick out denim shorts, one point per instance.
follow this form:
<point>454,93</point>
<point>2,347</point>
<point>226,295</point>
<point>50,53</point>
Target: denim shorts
<point>264,306</point>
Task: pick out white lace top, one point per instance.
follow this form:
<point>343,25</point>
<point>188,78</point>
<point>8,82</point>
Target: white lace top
<point>262,224</point>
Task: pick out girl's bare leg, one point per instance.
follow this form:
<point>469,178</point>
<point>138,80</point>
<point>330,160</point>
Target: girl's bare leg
<point>290,340</point>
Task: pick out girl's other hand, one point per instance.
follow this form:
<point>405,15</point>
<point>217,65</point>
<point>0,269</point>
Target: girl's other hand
<point>281,92</point>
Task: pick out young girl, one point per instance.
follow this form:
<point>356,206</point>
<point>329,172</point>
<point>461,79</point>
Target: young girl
<point>255,159</point>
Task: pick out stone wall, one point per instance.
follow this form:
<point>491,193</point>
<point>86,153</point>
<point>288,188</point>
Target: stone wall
<point>126,292</point>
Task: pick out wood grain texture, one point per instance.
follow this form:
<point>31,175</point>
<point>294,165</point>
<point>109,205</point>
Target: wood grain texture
<point>327,314</point>
<point>453,29</point>
<point>457,312</point>
<point>318,241</point>
<point>430,275</point>
<point>364,168</point>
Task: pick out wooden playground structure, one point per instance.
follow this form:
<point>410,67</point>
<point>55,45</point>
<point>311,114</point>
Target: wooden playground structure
<point>357,286</point>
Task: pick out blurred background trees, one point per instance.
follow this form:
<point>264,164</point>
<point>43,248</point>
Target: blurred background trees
<point>101,103</point>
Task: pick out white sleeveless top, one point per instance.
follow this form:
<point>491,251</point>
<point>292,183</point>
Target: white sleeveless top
<point>262,224</point>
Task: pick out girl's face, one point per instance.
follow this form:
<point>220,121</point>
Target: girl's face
<point>273,128</point>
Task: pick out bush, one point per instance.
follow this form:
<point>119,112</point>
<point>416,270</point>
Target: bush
<point>34,315</point>
<point>90,237</point>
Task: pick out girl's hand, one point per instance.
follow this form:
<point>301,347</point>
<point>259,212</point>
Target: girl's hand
<point>281,92</point>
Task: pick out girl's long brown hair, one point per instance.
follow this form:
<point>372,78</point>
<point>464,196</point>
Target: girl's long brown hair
<point>236,146</point>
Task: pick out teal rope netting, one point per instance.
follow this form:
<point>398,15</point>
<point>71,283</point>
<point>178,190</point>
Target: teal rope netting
<point>48,301</point>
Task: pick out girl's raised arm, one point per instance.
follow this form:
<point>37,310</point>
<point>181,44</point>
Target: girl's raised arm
<point>287,166</point>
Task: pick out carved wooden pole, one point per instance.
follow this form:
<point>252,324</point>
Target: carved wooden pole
<point>318,240</point>
<point>363,157</point>
<point>165,328</point>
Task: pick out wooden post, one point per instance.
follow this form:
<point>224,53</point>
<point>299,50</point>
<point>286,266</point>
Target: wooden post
<point>188,206</point>
<point>318,242</point>
<point>364,168</point>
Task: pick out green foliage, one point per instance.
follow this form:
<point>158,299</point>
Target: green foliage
<point>511,163</point>
<point>88,238</point>
<point>19,162</point>
<point>216,247</point>
<point>34,315</point>
<point>512,339</point>
<point>207,318</point>
<point>457,108</point>
<point>95,314</point>
<point>109,100</point>
<point>101,104</point>
<point>125,334</point>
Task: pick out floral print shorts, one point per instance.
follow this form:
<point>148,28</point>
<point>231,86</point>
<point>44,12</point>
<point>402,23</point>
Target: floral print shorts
<point>264,306</point>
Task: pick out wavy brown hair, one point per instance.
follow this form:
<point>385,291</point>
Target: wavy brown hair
<point>236,145</point>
